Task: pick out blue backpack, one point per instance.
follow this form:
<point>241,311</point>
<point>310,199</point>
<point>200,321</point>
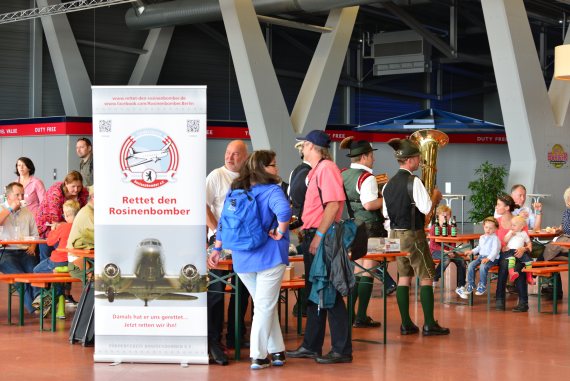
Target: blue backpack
<point>240,222</point>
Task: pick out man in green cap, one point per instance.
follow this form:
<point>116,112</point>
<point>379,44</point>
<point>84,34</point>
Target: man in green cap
<point>406,202</point>
<point>364,201</point>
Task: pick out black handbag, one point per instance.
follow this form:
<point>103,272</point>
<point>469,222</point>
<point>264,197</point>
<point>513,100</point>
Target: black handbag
<point>359,246</point>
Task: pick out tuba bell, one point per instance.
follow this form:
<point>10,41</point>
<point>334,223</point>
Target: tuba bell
<point>429,141</point>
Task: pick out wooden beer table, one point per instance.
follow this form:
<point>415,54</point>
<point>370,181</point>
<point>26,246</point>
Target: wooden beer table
<point>382,259</point>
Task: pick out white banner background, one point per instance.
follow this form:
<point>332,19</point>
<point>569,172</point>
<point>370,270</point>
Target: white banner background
<point>150,169</point>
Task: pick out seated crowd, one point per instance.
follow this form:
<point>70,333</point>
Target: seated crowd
<point>32,213</point>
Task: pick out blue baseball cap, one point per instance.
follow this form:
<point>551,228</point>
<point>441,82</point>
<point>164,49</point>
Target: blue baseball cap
<point>318,138</point>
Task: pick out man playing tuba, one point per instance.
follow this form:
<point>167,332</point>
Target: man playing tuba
<point>406,201</point>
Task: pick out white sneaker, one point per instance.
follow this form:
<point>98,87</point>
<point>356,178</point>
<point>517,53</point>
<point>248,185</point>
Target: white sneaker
<point>461,292</point>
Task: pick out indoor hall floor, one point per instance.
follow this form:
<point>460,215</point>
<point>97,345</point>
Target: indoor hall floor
<point>483,345</point>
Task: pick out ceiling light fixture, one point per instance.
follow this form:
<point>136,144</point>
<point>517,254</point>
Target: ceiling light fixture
<point>562,62</point>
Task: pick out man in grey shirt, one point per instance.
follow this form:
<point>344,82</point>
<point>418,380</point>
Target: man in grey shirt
<point>84,150</point>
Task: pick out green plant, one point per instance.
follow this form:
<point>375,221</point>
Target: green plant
<point>485,189</point>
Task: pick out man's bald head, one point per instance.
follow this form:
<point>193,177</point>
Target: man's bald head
<point>236,154</point>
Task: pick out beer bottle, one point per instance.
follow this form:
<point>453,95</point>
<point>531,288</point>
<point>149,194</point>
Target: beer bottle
<point>453,227</point>
<point>444,227</point>
<point>435,224</point>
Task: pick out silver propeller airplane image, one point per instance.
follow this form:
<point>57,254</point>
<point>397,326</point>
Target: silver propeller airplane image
<point>149,281</point>
<point>144,157</point>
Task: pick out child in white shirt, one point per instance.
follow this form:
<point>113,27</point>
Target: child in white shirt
<point>515,239</point>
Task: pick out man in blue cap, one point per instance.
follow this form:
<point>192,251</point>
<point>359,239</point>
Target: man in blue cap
<point>323,206</point>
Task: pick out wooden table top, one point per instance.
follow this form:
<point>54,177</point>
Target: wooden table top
<point>22,241</point>
<point>457,239</point>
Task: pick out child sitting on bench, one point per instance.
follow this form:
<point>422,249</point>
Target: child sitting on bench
<point>488,249</point>
<point>515,239</point>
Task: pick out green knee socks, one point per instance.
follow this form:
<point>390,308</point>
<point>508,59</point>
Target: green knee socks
<point>426,295</point>
<point>364,294</point>
<point>403,298</point>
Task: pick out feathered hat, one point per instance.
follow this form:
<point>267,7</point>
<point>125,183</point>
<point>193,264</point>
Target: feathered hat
<point>356,148</point>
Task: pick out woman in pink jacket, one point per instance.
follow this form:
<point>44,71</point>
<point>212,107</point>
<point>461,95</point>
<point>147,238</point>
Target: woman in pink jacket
<point>50,213</point>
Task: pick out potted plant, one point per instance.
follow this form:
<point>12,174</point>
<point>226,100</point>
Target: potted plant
<point>485,189</point>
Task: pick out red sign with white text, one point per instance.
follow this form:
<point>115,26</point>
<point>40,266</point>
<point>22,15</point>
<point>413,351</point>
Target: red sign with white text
<point>235,132</point>
<point>46,128</point>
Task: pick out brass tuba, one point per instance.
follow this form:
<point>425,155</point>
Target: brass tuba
<point>429,141</point>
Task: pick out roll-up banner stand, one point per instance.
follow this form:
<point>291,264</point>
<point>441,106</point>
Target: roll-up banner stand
<point>150,263</point>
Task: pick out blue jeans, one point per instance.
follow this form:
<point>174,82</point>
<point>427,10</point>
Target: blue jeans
<point>483,270</point>
<point>17,262</point>
<point>47,266</point>
<point>459,263</point>
<point>45,250</point>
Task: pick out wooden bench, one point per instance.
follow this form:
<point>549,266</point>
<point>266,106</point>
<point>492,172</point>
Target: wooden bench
<point>44,282</point>
<point>536,264</point>
<point>546,272</point>
<point>297,285</point>
<point>9,279</point>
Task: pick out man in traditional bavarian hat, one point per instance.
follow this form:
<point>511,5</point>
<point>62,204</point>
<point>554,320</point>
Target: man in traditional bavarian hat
<point>362,193</point>
<point>406,202</point>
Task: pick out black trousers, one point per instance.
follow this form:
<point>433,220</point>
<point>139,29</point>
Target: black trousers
<point>216,292</point>
<point>316,320</point>
<point>520,283</point>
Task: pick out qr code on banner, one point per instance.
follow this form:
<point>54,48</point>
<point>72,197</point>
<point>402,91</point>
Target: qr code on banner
<point>193,125</point>
<point>104,126</point>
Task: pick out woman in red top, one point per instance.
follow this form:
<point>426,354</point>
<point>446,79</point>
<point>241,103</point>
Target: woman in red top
<point>50,213</point>
<point>504,208</point>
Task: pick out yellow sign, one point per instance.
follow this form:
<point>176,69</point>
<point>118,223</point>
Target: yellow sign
<point>557,157</point>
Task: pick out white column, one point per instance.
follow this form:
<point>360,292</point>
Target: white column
<point>527,109</point>
<point>148,67</point>
<point>72,79</point>
<point>314,102</point>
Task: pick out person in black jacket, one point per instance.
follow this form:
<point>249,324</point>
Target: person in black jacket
<point>296,193</point>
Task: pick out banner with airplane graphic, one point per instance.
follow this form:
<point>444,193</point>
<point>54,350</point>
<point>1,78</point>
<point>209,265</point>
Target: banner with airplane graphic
<point>150,222</point>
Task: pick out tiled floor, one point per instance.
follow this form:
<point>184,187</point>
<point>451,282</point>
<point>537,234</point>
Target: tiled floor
<point>483,345</point>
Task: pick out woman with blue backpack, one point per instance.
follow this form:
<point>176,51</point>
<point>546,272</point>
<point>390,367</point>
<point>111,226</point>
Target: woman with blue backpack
<point>253,224</point>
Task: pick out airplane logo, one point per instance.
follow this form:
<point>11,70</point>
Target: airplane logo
<point>149,281</point>
<point>144,157</point>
